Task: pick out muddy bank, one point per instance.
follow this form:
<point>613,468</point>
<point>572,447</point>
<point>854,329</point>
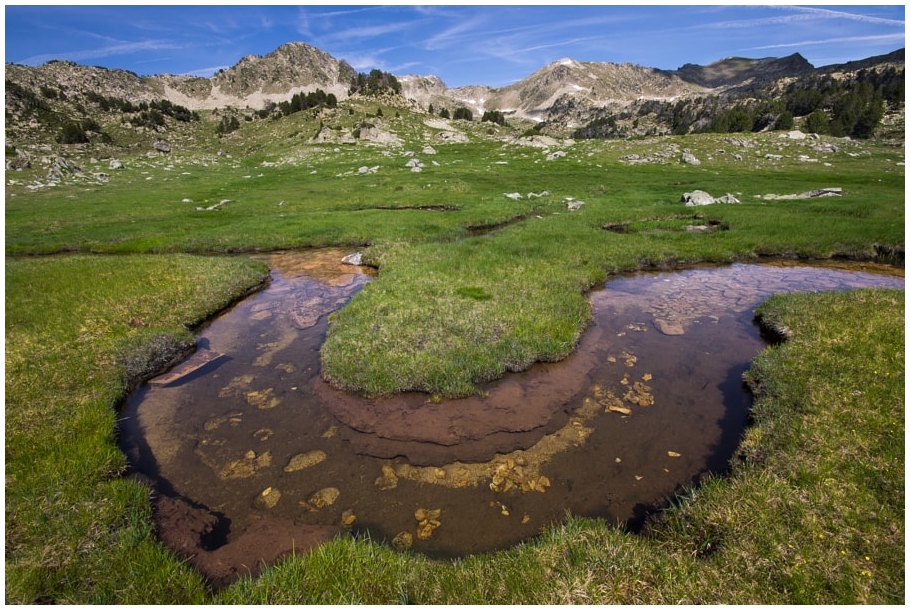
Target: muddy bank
<point>512,413</point>
<point>193,533</point>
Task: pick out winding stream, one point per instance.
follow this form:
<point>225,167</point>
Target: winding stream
<point>652,400</point>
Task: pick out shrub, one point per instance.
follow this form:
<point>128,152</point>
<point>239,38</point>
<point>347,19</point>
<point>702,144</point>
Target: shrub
<point>227,125</point>
<point>817,122</point>
<point>72,133</point>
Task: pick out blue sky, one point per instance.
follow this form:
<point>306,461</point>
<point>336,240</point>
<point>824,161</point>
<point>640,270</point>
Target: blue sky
<point>462,44</point>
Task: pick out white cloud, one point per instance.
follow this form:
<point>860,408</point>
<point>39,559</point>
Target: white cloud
<point>896,38</point>
<point>116,49</point>
<point>205,72</point>
<point>829,14</point>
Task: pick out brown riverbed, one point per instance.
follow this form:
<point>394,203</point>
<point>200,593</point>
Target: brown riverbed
<point>253,455</point>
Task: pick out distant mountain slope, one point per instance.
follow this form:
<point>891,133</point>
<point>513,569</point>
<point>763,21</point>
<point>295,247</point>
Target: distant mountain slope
<point>739,71</point>
<point>596,83</point>
<point>894,58</point>
<point>566,91</point>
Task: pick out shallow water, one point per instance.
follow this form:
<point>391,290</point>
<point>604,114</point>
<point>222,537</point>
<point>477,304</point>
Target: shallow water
<point>651,401</point>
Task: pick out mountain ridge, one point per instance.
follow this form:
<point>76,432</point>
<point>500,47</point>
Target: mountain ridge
<point>297,67</point>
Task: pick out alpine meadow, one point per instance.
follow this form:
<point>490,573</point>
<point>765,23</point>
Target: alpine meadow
<point>137,208</point>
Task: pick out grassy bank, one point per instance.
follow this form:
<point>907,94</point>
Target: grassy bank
<point>812,512</point>
<point>78,329</point>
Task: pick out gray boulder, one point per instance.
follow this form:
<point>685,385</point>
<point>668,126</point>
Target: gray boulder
<point>353,259</point>
<point>689,158</point>
<point>696,198</point>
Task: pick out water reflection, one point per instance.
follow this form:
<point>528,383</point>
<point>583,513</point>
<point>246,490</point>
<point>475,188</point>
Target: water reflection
<point>652,400</point>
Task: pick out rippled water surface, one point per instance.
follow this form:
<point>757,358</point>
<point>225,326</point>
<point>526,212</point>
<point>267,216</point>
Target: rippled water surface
<point>652,400</point>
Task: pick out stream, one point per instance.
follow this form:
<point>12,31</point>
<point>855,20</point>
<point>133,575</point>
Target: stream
<point>256,449</point>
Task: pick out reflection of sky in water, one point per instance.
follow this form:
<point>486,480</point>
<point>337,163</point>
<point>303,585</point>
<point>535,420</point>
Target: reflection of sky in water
<point>686,295</point>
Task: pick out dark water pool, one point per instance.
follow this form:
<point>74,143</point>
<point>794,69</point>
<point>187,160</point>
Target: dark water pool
<point>651,402</point>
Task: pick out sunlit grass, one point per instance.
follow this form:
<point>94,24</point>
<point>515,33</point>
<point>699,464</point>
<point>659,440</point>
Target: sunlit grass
<point>79,329</point>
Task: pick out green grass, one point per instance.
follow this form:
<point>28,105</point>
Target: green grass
<point>79,330</point>
<point>451,226</point>
<point>472,284</point>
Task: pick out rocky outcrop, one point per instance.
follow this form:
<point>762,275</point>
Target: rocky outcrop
<point>289,69</point>
<point>822,192</point>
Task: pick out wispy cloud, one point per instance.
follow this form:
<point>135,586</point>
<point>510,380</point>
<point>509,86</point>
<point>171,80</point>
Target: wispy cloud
<point>882,38</point>
<point>116,49</point>
<point>455,34</point>
<point>829,14</point>
<point>205,72</point>
<point>367,32</point>
<point>308,21</point>
<point>800,15</point>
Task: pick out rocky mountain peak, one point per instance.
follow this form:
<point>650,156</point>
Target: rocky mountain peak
<point>291,68</point>
<point>737,71</point>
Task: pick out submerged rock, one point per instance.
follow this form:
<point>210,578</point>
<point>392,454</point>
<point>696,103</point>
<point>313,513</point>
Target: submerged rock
<point>427,522</point>
<point>669,327</point>
<point>269,497</point>
<point>403,541</point>
<point>324,497</point>
<point>388,480</point>
<point>305,460</point>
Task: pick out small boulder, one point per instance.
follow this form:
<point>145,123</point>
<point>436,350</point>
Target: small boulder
<point>162,146</point>
<point>353,259</point>
<point>696,198</point>
<point>689,158</point>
